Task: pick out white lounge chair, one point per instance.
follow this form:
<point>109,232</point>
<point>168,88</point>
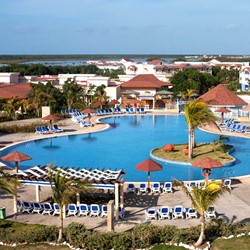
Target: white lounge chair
<point>83,210</point>
<point>56,209</point>
<point>47,208</point>
<point>150,213</point>
<point>227,183</point>
<point>156,187</point>
<point>191,213</point>
<point>164,213</point>
<point>178,212</point>
<point>104,211</point>
<point>167,187</point>
<point>37,207</point>
<point>72,210</point>
<point>94,210</point>
<point>131,188</point>
<point>210,212</point>
<point>142,188</point>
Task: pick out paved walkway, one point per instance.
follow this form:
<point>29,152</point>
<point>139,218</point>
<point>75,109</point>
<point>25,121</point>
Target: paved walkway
<point>235,207</point>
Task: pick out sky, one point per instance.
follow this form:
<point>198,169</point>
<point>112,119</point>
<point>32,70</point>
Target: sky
<point>125,27</point>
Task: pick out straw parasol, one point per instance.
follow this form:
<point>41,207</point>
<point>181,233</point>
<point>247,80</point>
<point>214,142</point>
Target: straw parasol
<point>87,111</point>
<point>148,166</point>
<point>15,157</point>
<point>114,102</point>
<point>207,164</point>
<point>99,103</point>
<point>50,118</point>
<point>222,111</point>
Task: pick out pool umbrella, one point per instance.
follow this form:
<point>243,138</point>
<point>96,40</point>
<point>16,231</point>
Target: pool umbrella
<point>113,102</point>
<point>207,164</point>
<point>15,157</point>
<point>87,111</point>
<point>99,103</point>
<point>148,166</point>
<point>222,111</point>
<point>50,118</point>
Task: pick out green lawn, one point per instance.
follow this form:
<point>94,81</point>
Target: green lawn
<point>163,247</point>
<point>201,151</point>
<point>35,247</point>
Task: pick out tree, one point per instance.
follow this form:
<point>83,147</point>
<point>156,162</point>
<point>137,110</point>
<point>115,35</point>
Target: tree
<point>100,94</point>
<point>201,198</point>
<point>197,112</point>
<point>12,105</point>
<point>8,182</point>
<point>63,189</point>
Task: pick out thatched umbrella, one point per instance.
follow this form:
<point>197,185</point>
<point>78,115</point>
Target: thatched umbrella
<point>148,166</point>
<point>50,118</point>
<point>207,164</point>
<point>15,157</point>
<point>222,111</point>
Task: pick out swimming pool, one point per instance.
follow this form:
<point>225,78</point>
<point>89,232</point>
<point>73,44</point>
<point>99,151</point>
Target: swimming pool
<point>126,143</point>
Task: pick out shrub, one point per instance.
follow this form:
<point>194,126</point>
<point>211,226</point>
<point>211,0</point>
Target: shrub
<point>167,233</point>
<point>187,235</point>
<point>100,241</point>
<point>122,241</point>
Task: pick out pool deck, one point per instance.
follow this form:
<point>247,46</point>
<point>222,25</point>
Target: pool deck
<point>234,206</point>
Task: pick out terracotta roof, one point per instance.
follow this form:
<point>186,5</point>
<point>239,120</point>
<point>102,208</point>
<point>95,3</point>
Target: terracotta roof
<point>221,96</point>
<point>20,90</point>
<point>156,61</point>
<point>144,81</point>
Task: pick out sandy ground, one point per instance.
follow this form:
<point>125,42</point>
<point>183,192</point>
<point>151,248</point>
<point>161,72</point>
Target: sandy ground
<point>234,206</point>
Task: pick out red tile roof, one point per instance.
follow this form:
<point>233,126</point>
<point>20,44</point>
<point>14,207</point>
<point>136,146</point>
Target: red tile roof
<point>156,61</point>
<point>221,96</point>
<point>20,90</point>
<point>144,81</point>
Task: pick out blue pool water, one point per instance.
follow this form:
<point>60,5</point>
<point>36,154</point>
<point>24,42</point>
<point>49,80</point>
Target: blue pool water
<point>126,143</point>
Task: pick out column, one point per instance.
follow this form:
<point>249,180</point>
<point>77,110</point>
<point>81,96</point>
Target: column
<point>78,199</point>
<point>116,201</point>
<point>110,218</point>
<point>38,189</point>
<point>121,195</point>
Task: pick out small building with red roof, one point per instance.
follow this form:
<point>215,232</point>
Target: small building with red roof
<point>20,90</point>
<point>146,85</point>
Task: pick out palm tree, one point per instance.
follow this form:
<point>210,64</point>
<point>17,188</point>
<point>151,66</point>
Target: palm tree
<point>197,112</point>
<point>11,106</point>
<point>63,189</point>
<point>8,182</point>
<point>203,197</point>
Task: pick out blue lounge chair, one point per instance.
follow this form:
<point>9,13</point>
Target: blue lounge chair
<point>127,110</point>
<point>150,213</point>
<point>104,211</point>
<point>178,212</point>
<point>56,209</point>
<point>138,111</point>
<point>210,212</point>
<point>164,213</point>
<point>227,183</point>
<point>131,188</point>
<point>26,207</point>
<point>44,130</point>
<point>232,128</point>
<point>191,213</point>
<point>167,187</point>
<point>142,188</point>
<point>131,110</point>
<point>226,127</point>
<point>83,210</point>
<point>37,207</point>
<point>143,111</point>
<point>238,128</point>
<point>121,212</point>
<point>243,129</point>
<point>19,206</point>
<point>51,129</point>
<point>94,210</point>
<point>72,210</point>
<point>119,111</point>
<point>58,130</point>
<point>38,130</point>
<point>84,124</point>
<point>156,187</point>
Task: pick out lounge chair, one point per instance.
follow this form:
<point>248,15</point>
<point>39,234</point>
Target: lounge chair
<point>142,188</point>
<point>44,130</point>
<point>178,212</point>
<point>210,212</point>
<point>227,183</point>
<point>84,124</point>
<point>83,210</point>
<point>138,111</point>
<point>56,209</point>
<point>143,111</point>
<point>226,127</point>
<point>164,213</point>
<point>156,187</point>
<point>233,127</point>
<point>104,211</point>
<point>51,129</point>
<point>131,110</point>
<point>127,110</point>
<point>38,130</point>
<point>167,187</point>
<point>150,213</point>
<point>119,111</point>
<point>242,129</point>
<point>191,184</point>
<point>47,208</point>
<point>122,212</point>
<point>72,210</point>
<point>131,188</point>
<point>191,213</point>
<point>94,210</point>
<point>19,206</point>
<point>26,207</point>
<point>37,207</point>
<point>58,130</point>
<point>238,128</point>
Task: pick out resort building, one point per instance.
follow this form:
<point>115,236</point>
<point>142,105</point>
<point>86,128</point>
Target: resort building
<point>142,91</point>
<point>244,78</point>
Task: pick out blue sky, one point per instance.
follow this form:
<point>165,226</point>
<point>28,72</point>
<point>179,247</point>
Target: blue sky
<point>124,27</point>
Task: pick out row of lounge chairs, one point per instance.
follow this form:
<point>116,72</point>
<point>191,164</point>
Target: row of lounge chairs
<point>43,130</point>
<point>177,212</point>
<point>190,184</point>
<point>100,112</point>
<point>69,112</point>
<point>156,187</point>
<point>234,127</point>
<point>133,110</point>
<point>72,209</point>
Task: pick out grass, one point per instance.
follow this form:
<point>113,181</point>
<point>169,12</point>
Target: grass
<point>242,243</point>
<point>163,247</point>
<point>201,151</point>
<point>17,226</point>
